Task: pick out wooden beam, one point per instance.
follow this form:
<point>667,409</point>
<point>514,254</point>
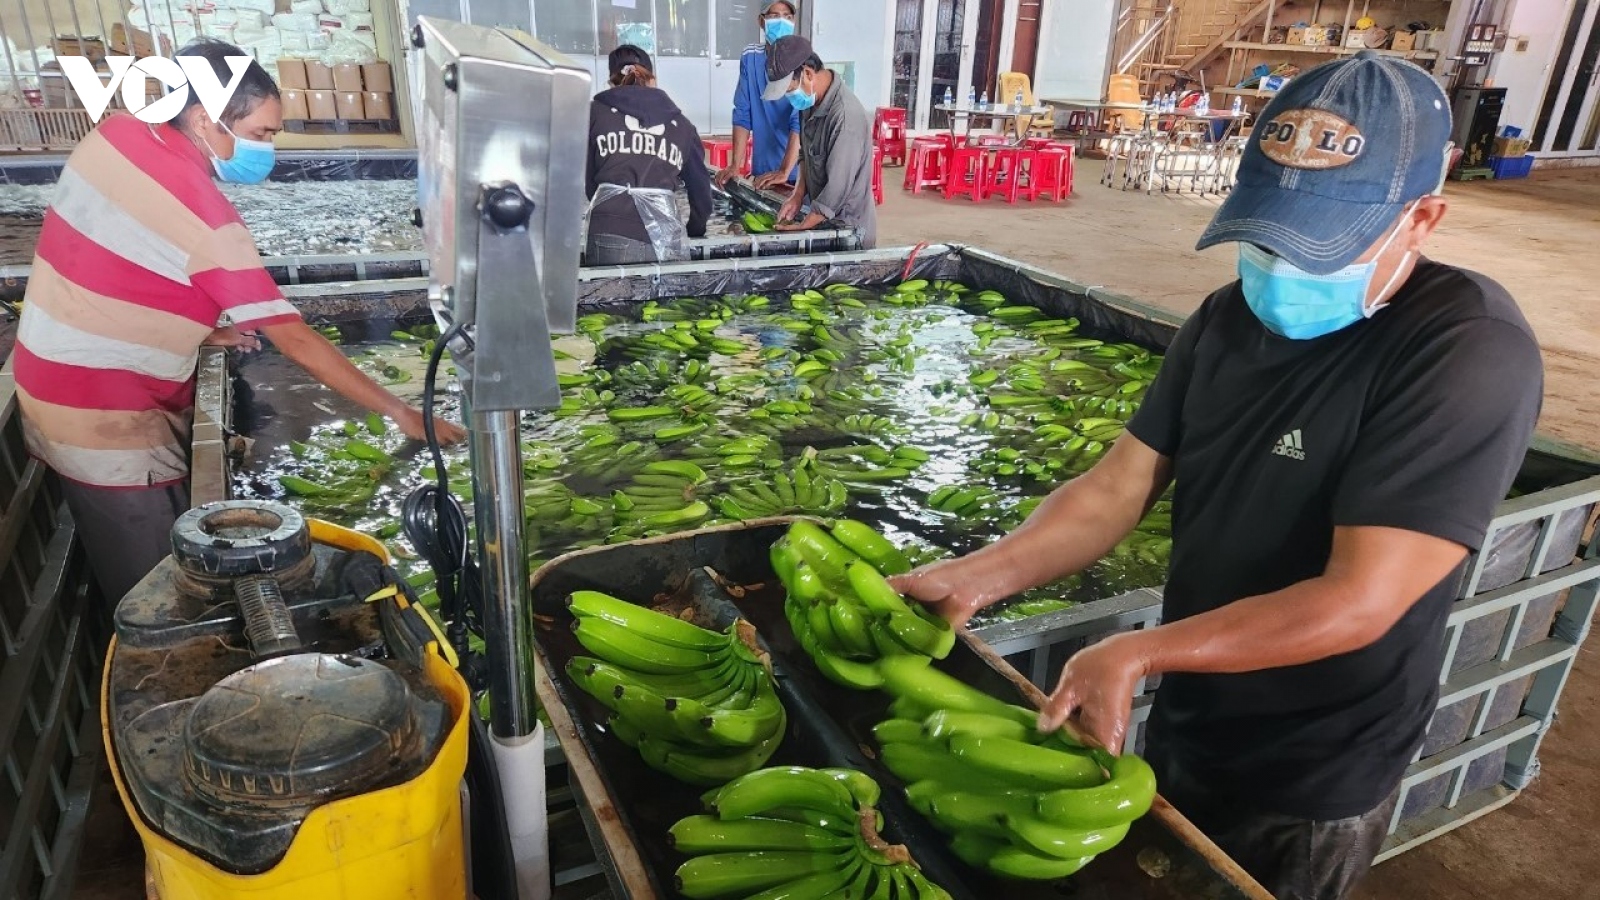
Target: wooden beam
<point>1212,49</point>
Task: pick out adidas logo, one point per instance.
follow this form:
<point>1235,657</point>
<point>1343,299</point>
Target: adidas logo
<point>1289,445</point>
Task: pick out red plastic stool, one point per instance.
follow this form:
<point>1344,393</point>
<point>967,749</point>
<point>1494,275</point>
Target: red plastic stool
<point>889,132</point>
<point>1012,167</point>
<point>717,153</point>
<point>926,165</point>
<point>1052,174</point>
<point>968,173</point>
<point>749,154</point>
<point>877,174</point>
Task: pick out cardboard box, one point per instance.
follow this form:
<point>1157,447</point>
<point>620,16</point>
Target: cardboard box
<point>1315,36</point>
<point>377,77</point>
<point>321,105</point>
<point>347,78</point>
<point>294,104</point>
<point>1356,40</point>
<point>348,104</point>
<point>1403,40</point>
<point>378,105</point>
<point>143,43</point>
<point>292,75</point>
<point>71,45</point>
<point>1511,147</point>
<point>318,76</point>
<point>1297,36</point>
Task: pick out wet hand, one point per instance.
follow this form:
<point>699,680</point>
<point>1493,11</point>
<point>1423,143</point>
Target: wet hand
<point>725,175</point>
<point>946,586</point>
<point>411,426</point>
<point>768,179</point>
<point>1097,683</point>
<point>789,210</point>
<point>231,337</point>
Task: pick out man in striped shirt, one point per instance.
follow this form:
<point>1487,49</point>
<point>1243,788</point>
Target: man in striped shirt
<point>139,258</point>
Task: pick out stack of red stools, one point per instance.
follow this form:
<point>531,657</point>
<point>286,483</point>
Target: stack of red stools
<point>927,163</point>
<point>1051,176</point>
<point>889,133</point>
<point>718,152</point>
<point>968,173</point>
<point>1009,168</point>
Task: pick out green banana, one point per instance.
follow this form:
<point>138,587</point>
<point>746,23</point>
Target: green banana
<point>1061,843</point>
<point>1028,765</point>
<point>745,727</point>
<point>1125,797</point>
<point>783,786</point>
<point>912,677</point>
<point>740,873</point>
<point>644,621</point>
<point>914,762</point>
<point>926,634</point>
<point>618,645</point>
<point>851,626</point>
<point>692,766</point>
<point>703,834</point>
<point>861,786</point>
<point>948,722</point>
<point>817,886</point>
<point>895,731</point>
<point>871,546</point>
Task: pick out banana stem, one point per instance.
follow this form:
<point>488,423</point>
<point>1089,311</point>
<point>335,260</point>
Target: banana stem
<point>746,634</point>
<point>867,818</point>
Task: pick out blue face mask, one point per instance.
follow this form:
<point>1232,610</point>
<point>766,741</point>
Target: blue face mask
<point>251,163</point>
<point>1300,306</point>
<point>801,99</point>
<point>778,28</point>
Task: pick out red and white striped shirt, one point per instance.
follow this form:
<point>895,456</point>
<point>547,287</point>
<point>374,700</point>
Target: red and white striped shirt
<point>139,257</point>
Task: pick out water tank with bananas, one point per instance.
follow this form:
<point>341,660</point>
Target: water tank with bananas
<point>279,717</point>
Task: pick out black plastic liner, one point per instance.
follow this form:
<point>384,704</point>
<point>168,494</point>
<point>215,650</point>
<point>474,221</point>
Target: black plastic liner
<point>828,725</point>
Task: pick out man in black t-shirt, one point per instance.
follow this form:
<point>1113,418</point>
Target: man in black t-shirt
<point>1339,423</point>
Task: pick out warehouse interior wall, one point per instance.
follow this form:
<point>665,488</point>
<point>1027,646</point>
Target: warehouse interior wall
<point>1077,34</point>
<point>850,31</point>
<point>1527,66</point>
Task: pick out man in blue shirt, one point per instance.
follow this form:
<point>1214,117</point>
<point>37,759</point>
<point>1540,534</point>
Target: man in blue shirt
<point>774,124</point>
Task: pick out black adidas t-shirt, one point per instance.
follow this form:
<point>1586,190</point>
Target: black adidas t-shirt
<point>1417,418</point>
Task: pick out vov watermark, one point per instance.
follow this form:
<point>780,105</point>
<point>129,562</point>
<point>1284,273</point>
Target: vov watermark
<point>180,75</point>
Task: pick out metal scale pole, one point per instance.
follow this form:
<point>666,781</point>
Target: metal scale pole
<point>500,194</point>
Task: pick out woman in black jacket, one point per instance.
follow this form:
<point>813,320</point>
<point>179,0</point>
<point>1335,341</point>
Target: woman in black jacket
<point>640,147</point>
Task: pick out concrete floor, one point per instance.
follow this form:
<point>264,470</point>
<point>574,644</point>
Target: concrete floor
<point>1538,237</point>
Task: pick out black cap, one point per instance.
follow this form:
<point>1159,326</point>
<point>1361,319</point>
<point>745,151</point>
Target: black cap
<point>784,58</point>
<point>628,55</point>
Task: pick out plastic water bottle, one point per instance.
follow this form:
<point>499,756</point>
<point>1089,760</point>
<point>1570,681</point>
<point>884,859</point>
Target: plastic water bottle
<point>1018,100</point>
<point>1203,106</point>
<point>983,103</point>
<point>972,96</point>
<point>949,98</point>
<point>1238,104</point>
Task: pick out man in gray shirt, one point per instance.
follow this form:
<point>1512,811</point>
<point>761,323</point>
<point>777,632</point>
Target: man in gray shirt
<point>835,143</point>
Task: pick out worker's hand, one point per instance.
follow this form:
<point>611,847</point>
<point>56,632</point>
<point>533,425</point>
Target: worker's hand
<point>410,423</point>
<point>770,179</point>
<point>231,337</point>
<point>725,175</point>
<point>1097,683</point>
<point>790,208</point>
<point>811,220</point>
<point>949,586</point>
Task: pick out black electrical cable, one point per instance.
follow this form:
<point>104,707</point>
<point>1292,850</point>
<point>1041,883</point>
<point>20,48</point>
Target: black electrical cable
<point>436,526</point>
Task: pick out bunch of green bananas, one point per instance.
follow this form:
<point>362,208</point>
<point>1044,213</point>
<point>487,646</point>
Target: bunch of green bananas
<point>662,497</point>
<point>601,454</point>
<point>796,490</point>
<point>865,466</point>
<point>349,466</point>
<point>968,503</point>
<point>909,293</point>
<point>741,454</point>
<point>758,222</point>
<point>698,705</point>
<point>842,610</point>
<point>1151,540</point>
<point>1016,802</point>
<point>795,833</point>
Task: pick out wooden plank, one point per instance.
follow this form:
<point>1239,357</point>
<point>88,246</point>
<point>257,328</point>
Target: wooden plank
<point>1214,47</point>
<point>625,867</point>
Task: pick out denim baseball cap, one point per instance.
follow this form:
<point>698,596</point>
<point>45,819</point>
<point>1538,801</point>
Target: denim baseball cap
<point>1333,160</point>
